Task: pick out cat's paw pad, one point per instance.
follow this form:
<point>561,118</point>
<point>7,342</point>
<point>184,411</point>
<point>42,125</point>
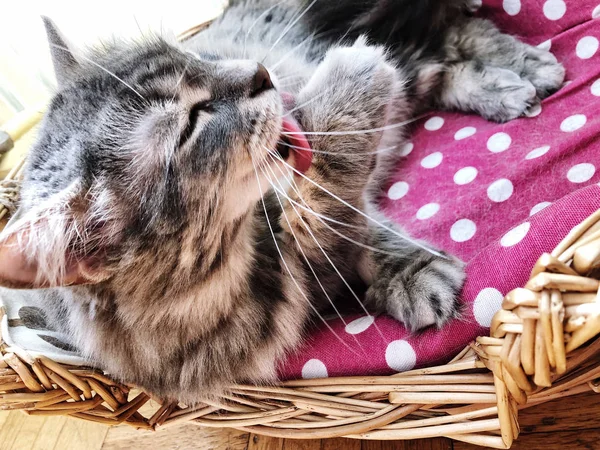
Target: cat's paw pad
<point>543,70</point>
<point>425,293</point>
<point>506,95</point>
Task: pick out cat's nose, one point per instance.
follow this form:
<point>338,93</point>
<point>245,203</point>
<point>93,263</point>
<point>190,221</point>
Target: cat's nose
<point>262,81</point>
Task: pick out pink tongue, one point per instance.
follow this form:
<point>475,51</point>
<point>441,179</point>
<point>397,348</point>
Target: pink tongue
<point>301,150</point>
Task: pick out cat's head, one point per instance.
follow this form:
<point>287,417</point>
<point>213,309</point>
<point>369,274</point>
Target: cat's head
<point>140,141</point>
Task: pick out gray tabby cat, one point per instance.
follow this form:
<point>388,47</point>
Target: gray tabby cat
<point>188,209</point>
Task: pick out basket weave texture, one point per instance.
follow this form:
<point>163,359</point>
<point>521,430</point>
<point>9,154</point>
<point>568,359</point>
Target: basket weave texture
<point>542,346</point>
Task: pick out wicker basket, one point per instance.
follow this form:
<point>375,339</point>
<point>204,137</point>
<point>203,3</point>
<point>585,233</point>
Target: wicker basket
<point>542,347</point>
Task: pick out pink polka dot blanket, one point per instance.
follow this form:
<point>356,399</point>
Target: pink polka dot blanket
<point>497,196</point>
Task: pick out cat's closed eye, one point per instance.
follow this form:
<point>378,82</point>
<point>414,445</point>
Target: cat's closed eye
<point>200,107</point>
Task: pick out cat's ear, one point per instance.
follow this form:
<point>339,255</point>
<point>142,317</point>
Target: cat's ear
<point>65,63</point>
<point>20,270</point>
<point>47,250</point>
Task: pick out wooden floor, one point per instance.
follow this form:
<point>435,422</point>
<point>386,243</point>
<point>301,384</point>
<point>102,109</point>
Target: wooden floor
<point>568,424</point>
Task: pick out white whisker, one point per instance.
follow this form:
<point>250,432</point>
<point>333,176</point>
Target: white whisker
<point>293,50</point>
<point>142,34</point>
<point>288,270</point>
<point>324,219</point>
<point>187,64</point>
<point>102,68</point>
<point>316,97</point>
<point>316,214</point>
<point>375,221</point>
<point>294,75</point>
<point>334,267</point>
<point>357,243</point>
<point>374,152</point>
<point>289,27</point>
<point>263,14</point>
<point>300,246</point>
<point>351,132</point>
<point>296,238</point>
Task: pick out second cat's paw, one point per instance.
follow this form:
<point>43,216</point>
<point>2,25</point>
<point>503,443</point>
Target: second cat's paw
<point>543,70</point>
<point>423,293</point>
<point>352,89</point>
<point>504,95</point>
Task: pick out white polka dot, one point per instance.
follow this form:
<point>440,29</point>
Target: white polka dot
<point>516,235</point>
<point>537,208</point>
<point>554,9</point>
<point>465,133</point>
<point>428,211</point>
<point>596,88</point>
<point>581,173</point>
<point>407,149</point>
<point>398,190</point>
<point>512,7</point>
<point>573,123</point>
<point>499,142</point>
<point>433,160</point>
<point>540,151</point>
<point>465,175</point>
<point>500,190</point>
<point>435,123</point>
<point>462,230</point>
<point>587,47</point>
<point>314,369</point>
<point>546,45</point>
<point>400,356</point>
<point>596,12</point>
<point>359,325</point>
<point>534,111</point>
<point>487,303</point>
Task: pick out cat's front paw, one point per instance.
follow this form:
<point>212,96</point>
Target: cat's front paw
<point>360,73</point>
<point>424,292</point>
<point>543,70</point>
<point>361,60</point>
<point>352,89</point>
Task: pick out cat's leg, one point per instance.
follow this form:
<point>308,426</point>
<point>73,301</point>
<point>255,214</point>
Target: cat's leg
<point>349,94</point>
<point>495,74</point>
<point>408,282</point>
<point>352,92</point>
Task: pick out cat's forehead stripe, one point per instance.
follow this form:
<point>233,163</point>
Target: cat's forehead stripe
<point>158,73</point>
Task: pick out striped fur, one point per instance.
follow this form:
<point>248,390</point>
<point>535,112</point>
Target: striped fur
<point>176,252</point>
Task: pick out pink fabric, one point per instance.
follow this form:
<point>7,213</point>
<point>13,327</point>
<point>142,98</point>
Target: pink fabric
<point>495,195</point>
